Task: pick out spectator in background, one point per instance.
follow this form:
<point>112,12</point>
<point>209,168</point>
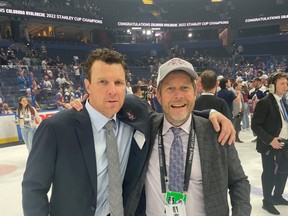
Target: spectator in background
<point>257,92</point>
<point>28,119</point>
<point>44,63</point>
<point>59,99</point>
<point>208,99</point>
<point>238,109</point>
<point>199,85</point>
<point>136,89</point>
<point>61,80</point>
<point>26,60</point>
<point>264,81</point>
<point>43,90</point>
<point>77,74</point>
<point>68,80</point>
<point>246,108</point>
<point>128,88</point>
<point>69,94</point>
<point>21,82</point>
<point>78,93</point>
<point>227,95</point>
<point>3,57</point>
<point>8,34</point>
<point>218,82</point>
<point>59,63</point>
<point>6,109</point>
<point>43,51</point>
<point>30,99</point>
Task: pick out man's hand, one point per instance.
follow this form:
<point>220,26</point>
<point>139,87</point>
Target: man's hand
<point>76,104</point>
<point>276,144</point>
<point>227,132</point>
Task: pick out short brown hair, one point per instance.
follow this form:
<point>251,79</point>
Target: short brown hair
<point>208,80</point>
<point>106,55</point>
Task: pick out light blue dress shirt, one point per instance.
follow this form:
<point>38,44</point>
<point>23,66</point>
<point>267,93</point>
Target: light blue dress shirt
<point>123,133</point>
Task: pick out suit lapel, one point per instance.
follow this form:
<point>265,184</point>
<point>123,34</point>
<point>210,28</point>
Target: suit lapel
<point>86,141</point>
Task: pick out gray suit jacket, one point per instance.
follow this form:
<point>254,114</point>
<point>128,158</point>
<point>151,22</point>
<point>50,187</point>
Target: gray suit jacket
<point>221,171</point>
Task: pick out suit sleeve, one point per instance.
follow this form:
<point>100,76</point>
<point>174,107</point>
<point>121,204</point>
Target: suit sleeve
<point>203,113</point>
<point>238,184</point>
<point>39,172</point>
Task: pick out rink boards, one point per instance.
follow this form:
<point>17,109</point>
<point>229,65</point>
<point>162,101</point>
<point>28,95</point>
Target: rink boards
<point>10,132</point>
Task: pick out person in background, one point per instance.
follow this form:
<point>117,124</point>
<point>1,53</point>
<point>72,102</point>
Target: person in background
<point>78,93</point>
<point>6,109</point>
<point>29,119</point>
<point>21,82</point>
<point>255,94</point>
<point>208,99</point>
<point>238,110</point>
<point>137,91</point>
<point>128,88</point>
<point>199,84</point>
<point>246,108</point>
<point>69,94</point>
<point>228,95</point>
<point>270,125</point>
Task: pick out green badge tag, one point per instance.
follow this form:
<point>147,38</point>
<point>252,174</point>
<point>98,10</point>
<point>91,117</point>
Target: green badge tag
<point>175,198</point>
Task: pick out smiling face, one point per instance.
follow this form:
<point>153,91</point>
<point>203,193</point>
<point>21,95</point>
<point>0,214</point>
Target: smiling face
<point>177,96</point>
<point>107,87</point>
<point>24,102</point>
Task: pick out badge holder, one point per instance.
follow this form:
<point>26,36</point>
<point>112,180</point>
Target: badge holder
<point>175,204</point>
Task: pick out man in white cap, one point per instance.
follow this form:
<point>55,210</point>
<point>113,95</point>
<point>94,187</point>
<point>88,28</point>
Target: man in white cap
<point>264,81</point>
<point>218,81</point>
<point>200,187</point>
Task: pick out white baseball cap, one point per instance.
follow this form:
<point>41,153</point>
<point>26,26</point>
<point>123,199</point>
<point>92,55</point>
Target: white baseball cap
<point>220,77</point>
<point>239,79</point>
<point>264,76</point>
<point>173,65</point>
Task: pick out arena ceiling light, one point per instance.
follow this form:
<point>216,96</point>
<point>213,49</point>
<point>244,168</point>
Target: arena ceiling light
<point>148,2</point>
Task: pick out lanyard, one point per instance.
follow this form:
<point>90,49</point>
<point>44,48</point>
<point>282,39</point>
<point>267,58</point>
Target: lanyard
<point>189,158</point>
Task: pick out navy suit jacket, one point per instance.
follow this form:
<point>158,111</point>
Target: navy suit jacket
<point>63,155</point>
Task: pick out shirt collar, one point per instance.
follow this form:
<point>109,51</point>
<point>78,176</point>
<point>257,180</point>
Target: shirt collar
<point>185,127</point>
<point>277,97</point>
<point>98,120</point>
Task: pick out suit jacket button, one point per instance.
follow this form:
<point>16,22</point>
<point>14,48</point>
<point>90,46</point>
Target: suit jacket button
<point>93,208</point>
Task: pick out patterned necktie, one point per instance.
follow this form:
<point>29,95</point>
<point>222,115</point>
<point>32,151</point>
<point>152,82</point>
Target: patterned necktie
<point>114,172</point>
<point>176,167</point>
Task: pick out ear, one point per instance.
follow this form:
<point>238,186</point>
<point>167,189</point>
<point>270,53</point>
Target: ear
<point>87,85</point>
<point>158,95</point>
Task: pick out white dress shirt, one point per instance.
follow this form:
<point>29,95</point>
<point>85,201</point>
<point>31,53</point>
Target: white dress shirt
<point>284,131</point>
<point>155,199</point>
<point>123,133</point>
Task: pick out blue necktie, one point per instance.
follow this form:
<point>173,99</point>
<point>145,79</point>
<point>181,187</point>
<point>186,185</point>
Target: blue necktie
<point>284,110</point>
<point>176,166</point>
